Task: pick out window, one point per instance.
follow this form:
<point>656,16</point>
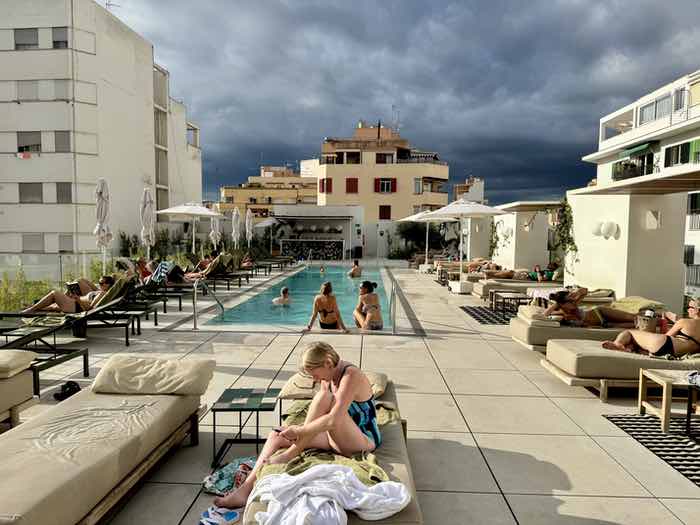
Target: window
<point>62,141</point>
<point>162,201</point>
<point>417,185</point>
<point>65,242</point>
<point>416,209</point>
<point>689,254</point>
<point>33,242</point>
<point>646,113</point>
<point>26,39</point>
<point>27,90</point>
<point>322,185</point>
<point>252,200</point>
<point>229,200</point>
<point>60,37</point>
<point>269,200</point>
<point>60,90</point>
<point>679,154</point>
<point>160,119</point>
<point>352,157</point>
<point>384,213</point>
<point>679,99</point>
<point>385,185</point>
<point>693,203</point>
<point>64,193</point>
<point>31,193</point>
<point>385,158</point>
<point>661,107</point>
<point>28,141</point>
<point>329,185</point>
<point>161,167</point>
<point>351,186</point>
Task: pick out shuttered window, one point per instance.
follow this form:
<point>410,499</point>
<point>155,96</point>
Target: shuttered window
<point>384,213</point>
<point>329,185</point>
<point>322,185</point>
<point>351,186</point>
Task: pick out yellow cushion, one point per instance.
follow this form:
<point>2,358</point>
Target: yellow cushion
<point>12,362</point>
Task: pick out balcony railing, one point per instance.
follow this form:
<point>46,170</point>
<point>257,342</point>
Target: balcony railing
<point>692,275</point>
<point>624,171</point>
<point>694,220</point>
<point>420,161</point>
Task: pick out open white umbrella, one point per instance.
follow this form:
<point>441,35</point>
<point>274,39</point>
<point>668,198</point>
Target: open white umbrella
<point>147,212</point>
<point>215,233</point>
<point>268,223</point>
<point>102,230</point>
<point>463,209</point>
<point>424,216</point>
<point>190,212</point>
<point>249,226</point>
<point>236,227</point>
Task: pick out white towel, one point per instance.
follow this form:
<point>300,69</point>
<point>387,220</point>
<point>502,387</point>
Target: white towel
<point>321,495</point>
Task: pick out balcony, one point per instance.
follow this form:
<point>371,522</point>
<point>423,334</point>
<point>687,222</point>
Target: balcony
<point>421,161</point>
<point>692,275</point>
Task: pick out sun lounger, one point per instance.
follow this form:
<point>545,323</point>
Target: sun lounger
<point>587,363</point>
<point>16,392</point>
<point>534,334</point>
<point>482,287</point>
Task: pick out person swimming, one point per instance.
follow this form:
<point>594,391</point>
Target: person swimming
<point>283,299</point>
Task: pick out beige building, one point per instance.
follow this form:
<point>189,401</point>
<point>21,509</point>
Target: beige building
<point>379,170</point>
<point>274,185</point>
<point>81,98</point>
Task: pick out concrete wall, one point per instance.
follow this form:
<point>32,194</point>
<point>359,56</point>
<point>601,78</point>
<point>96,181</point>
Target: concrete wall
<point>522,249</point>
<point>185,160</point>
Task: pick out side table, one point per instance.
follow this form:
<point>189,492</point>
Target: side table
<point>252,400</point>
<point>666,379</point>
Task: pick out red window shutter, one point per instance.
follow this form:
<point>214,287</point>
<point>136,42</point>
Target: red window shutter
<point>393,185</point>
<point>376,185</point>
<point>329,185</point>
<point>322,185</point>
<point>350,185</point>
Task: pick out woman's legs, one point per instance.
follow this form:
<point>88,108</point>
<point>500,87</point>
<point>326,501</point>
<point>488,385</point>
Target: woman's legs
<point>627,340</point>
<point>611,315</point>
<point>359,318</point>
<point>54,300</point>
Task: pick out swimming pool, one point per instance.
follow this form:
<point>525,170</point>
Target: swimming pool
<point>303,287</point>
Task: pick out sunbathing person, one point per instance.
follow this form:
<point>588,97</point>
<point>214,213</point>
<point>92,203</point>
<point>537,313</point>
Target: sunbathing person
<point>326,308</point>
<point>367,313</point>
<point>283,298</point>
<point>355,271</point>
<point>342,418</point>
<point>683,338</point>
<point>566,304</point>
<point>71,302</point>
<point>496,272</point>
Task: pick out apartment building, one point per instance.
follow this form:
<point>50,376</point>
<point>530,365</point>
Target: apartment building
<point>471,189</point>
<point>630,225</point>
<point>379,170</point>
<point>81,98</point>
<point>274,185</point>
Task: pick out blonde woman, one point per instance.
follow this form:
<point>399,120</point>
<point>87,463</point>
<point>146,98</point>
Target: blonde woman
<point>327,311</point>
<point>341,418</point>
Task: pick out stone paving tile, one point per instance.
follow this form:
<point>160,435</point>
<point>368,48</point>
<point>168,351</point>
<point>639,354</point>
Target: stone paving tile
<point>476,357</point>
<point>553,387</point>
<point>376,359</point>
<point>159,503</point>
<point>430,412</point>
<point>687,510</point>
<point>588,413</point>
<point>452,508</point>
<point>416,380</point>
<point>490,382</point>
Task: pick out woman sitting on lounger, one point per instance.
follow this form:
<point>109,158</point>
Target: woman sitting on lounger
<point>683,338</point>
<point>327,311</point>
<point>368,313</point>
<point>566,304</point>
<point>73,301</point>
<point>342,418</point>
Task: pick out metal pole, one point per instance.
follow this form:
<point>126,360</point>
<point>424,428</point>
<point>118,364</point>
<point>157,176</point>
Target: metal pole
<point>194,223</point>
<point>194,305</point>
<point>461,248</point>
<point>427,229</point>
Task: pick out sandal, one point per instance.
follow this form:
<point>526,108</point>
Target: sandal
<point>219,516</point>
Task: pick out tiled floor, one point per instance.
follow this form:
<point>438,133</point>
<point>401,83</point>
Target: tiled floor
<point>493,438</point>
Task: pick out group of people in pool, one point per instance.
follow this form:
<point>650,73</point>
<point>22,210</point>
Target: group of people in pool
<point>367,313</point>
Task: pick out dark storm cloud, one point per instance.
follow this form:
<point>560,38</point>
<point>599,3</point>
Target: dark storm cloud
<point>511,91</point>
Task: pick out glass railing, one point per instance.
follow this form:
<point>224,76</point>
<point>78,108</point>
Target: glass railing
<point>53,267</point>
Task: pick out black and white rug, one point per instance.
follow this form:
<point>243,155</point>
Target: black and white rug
<point>484,315</point>
<point>675,448</point>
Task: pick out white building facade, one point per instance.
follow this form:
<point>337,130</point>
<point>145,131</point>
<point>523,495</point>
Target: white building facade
<point>81,99</point>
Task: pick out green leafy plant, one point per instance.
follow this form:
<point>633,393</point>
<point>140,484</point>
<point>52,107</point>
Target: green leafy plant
<point>18,293</point>
<point>564,233</point>
<point>493,240</point>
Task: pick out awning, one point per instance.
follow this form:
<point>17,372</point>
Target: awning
<point>634,151</point>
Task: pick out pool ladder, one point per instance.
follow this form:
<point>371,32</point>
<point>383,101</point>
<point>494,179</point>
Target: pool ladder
<point>194,300</point>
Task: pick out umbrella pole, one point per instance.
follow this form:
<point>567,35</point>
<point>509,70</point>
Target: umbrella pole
<point>461,248</point>
<point>427,229</point>
<point>194,221</point>
<point>270,241</point>
<point>104,260</point>
<point>148,253</point>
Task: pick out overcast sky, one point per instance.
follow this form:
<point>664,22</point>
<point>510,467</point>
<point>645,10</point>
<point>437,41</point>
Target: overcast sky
<point>507,90</point>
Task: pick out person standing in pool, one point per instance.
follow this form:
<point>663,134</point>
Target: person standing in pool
<point>327,311</point>
<point>322,270</point>
<point>283,299</point>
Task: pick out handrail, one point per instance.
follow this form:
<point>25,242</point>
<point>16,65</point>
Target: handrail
<point>194,301</point>
<point>392,307</point>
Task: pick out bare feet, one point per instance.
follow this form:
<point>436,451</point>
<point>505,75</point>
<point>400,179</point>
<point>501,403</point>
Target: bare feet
<point>283,457</point>
<point>235,499</point>
<point>612,345</point>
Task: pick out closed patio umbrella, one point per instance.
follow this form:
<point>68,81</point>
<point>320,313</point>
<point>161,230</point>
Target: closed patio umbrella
<point>236,227</point>
<point>249,226</point>
<point>147,212</point>
<point>102,231</point>
<point>215,233</point>
<point>190,212</point>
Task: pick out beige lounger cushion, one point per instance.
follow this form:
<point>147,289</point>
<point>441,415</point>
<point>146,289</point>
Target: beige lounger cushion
<point>534,315</point>
<point>531,334</point>
<point>302,387</point>
<point>587,359</point>
<point>58,465</point>
<point>131,374</point>
<point>15,390</point>
<point>12,362</point>
<point>392,456</point>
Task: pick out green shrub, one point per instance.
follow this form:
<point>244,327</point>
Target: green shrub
<point>19,293</point>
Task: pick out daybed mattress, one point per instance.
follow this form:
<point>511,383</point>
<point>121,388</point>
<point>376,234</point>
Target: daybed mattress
<point>15,390</point>
<point>587,359</point>
<point>392,456</point>
<point>535,335</point>
<point>57,466</point>
<point>481,288</point>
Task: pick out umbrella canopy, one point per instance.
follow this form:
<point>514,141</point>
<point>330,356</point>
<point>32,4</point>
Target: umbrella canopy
<point>424,216</point>
<point>463,209</point>
<point>249,226</point>
<point>215,233</point>
<point>267,223</point>
<point>102,231</point>
<point>147,212</point>
<point>190,211</point>
<point>236,227</point>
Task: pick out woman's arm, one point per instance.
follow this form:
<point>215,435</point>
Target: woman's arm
<point>578,295</point>
<point>552,309</point>
<point>341,324</point>
<point>677,327</point>
<point>313,314</point>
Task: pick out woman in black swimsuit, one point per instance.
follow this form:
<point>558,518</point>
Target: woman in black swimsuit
<point>326,308</point>
<point>683,338</point>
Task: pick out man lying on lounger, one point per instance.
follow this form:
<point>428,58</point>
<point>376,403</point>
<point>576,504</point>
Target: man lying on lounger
<point>566,304</point>
<point>81,296</point>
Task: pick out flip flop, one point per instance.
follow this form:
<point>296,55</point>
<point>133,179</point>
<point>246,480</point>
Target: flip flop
<point>219,516</point>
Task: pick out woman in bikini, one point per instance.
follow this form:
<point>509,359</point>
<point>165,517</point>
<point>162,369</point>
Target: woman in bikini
<point>367,313</point>
<point>69,303</point>
<point>683,338</point>
<point>342,418</point>
<point>566,304</point>
<point>326,308</point>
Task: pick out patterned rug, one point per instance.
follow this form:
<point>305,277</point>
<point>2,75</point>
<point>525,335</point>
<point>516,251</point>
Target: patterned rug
<point>675,448</point>
<point>484,315</point>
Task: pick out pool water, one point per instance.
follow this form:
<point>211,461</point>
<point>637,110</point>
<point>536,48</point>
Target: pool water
<point>303,287</point>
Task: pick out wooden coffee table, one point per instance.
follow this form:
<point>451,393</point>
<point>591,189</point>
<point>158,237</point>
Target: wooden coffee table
<point>666,379</point>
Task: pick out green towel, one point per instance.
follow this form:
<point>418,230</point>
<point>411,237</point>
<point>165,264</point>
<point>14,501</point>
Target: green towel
<point>296,414</point>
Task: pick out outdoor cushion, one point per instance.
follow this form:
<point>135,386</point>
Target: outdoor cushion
<point>15,390</point>
<point>57,466</point>
<point>12,362</point>
<point>114,292</point>
<point>535,335</point>
<point>481,289</point>
<point>588,359</point>
<point>633,304</point>
<point>535,315</point>
<point>131,374</point>
<point>300,386</point>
